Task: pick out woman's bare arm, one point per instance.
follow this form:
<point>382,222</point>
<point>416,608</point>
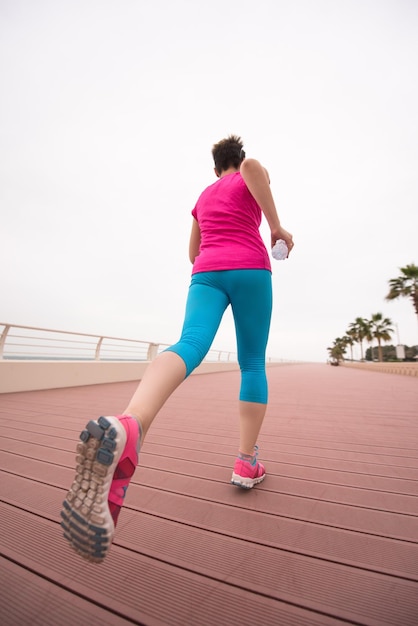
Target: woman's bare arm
<point>194,243</point>
<point>257,180</point>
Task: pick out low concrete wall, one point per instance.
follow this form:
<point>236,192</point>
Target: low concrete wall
<point>406,369</point>
<point>32,375</point>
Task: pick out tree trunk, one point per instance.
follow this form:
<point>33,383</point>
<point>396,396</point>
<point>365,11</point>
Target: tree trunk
<point>414,296</point>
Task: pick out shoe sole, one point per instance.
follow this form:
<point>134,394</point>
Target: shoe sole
<point>86,519</point>
<point>246,483</point>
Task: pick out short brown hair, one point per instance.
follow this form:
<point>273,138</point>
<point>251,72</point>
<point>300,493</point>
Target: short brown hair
<point>228,153</point>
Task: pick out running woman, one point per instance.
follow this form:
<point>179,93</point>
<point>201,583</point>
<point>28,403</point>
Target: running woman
<point>231,267</point>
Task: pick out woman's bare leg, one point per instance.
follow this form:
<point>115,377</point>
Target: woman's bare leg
<point>251,419</point>
<point>163,375</point>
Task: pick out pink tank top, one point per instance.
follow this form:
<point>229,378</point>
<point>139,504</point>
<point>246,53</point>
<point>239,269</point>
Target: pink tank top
<point>229,220</point>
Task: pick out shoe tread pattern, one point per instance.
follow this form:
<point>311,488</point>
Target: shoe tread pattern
<point>86,519</point>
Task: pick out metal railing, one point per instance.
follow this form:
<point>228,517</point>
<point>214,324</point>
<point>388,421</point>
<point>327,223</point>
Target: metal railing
<point>32,343</point>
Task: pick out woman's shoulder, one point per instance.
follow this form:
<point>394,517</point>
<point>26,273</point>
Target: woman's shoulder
<point>251,168</point>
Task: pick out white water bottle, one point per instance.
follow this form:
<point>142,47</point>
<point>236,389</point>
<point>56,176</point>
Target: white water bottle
<point>280,250</point>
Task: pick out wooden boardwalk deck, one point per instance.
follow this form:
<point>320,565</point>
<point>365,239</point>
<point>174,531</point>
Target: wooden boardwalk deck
<point>330,537</point>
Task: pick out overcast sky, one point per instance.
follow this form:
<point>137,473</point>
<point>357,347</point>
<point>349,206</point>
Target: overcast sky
<point>108,113</point>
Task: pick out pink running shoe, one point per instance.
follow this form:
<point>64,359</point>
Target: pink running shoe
<point>248,473</point>
<point>106,460</point>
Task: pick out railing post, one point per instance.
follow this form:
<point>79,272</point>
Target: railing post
<point>3,339</point>
<point>99,345</point>
<point>152,351</point>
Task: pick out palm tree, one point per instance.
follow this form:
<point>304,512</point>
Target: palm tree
<point>380,329</point>
<point>368,335</point>
<point>337,350</point>
<point>405,285</point>
<point>350,337</point>
<point>360,330</point>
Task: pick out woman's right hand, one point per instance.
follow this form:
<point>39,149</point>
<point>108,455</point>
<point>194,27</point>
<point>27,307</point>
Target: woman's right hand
<point>281,233</point>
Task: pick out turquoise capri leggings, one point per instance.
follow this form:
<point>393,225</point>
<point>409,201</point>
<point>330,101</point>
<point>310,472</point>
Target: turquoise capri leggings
<point>249,293</point>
